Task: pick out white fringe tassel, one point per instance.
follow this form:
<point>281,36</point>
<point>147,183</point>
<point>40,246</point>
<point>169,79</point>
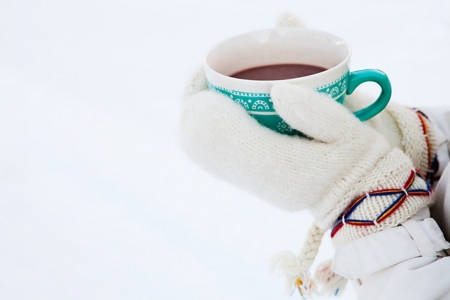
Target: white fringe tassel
<point>289,265</point>
<point>331,283</point>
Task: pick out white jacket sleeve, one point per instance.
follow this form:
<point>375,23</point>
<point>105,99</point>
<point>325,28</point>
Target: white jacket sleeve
<point>406,262</point>
<point>440,211</point>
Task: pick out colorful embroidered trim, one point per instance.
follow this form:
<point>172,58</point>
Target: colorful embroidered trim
<point>345,217</point>
<point>433,164</point>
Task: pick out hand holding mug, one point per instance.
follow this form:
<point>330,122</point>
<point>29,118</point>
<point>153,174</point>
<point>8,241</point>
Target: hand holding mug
<point>343,156</point>
<point>245,67</point>
<point>220,136</point>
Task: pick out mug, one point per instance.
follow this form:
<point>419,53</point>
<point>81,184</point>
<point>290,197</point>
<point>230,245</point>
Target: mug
<point>281,46</point>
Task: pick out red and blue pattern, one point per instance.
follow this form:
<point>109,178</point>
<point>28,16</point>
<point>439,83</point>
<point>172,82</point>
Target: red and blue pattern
<point>433,164</point>
<point>402,194</point>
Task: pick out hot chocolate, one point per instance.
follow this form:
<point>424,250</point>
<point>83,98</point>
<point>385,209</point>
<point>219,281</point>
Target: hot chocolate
<point>278,72</point>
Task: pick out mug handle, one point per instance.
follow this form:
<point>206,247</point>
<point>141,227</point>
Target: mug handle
<point>358,77</point>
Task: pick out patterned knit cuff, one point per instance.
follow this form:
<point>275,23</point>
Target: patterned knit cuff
<point>381,209</point>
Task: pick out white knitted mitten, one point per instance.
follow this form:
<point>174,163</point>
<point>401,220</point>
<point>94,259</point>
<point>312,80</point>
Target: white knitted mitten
<point>406,128</point>
<point>351,175</point>
<point>346,170</point>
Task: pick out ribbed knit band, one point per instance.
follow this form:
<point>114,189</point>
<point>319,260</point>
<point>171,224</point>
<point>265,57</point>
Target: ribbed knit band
<point>419,140</point>
<point>391,172</point>
<point>406,128</point>
<point>398,194</point>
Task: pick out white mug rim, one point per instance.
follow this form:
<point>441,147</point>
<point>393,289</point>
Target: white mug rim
<point>340,65</point>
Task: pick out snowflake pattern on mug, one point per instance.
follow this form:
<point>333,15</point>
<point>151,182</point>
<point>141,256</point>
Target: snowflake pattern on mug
<point>337,88</point>
<point>242,102</point>
<point>334,92</point>
<point>258,102</point>
<point>284,127</point>
<point>343,85</point>
<point>260,106</point>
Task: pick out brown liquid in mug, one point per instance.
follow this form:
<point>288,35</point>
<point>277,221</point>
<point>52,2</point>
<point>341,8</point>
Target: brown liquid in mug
<point>278,72</point>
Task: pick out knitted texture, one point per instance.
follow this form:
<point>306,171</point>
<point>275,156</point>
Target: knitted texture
<point>407,129</point>
<point>418,136</point>
<point>391,172</point>
<point>276,167</point>
<point>381,209</point>
<point>196,85</point>
<point>342,159</point>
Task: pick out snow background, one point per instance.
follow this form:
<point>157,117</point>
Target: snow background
<point>97,199</point>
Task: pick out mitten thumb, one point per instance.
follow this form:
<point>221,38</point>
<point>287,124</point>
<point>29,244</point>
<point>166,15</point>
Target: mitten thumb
<point>314,114</point>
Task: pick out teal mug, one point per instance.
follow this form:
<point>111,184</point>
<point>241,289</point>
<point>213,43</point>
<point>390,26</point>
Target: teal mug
<point>284,47</point>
